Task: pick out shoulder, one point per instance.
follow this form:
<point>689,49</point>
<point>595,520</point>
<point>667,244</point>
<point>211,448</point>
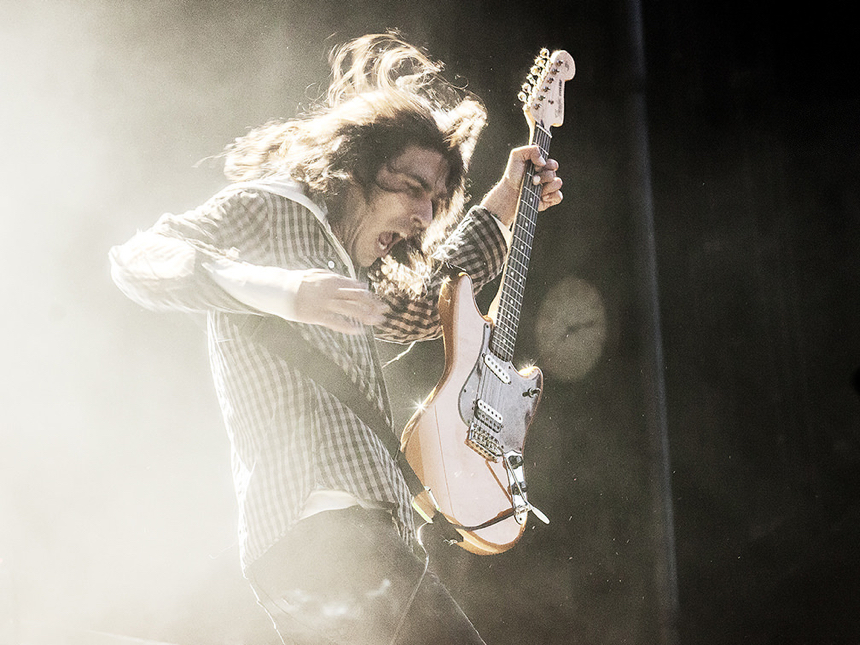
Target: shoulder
<point>277,190</point>
<point>265,199</point>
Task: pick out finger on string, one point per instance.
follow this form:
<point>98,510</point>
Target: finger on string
<point>529,153</point>
<point>543,177</point>
<point>552,199</point>
<point>546,173</point>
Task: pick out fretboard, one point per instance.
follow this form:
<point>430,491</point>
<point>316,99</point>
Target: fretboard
<point>513,287</point>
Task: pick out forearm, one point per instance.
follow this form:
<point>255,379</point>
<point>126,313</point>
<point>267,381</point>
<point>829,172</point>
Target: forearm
<point>267,289</point>
<point>191,261</point>
<point>478,247</point>
<point>164,273</point>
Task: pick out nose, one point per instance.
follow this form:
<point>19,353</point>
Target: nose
<point>422,214</point>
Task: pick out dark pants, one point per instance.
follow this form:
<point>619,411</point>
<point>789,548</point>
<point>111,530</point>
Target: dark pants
<point>347,577</point>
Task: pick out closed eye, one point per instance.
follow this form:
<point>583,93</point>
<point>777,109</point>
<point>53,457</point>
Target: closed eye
<point>412,185</point>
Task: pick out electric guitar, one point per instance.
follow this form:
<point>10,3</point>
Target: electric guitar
<point>465,442</point>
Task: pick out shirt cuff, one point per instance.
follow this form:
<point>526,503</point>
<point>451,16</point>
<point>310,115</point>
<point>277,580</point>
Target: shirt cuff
<point>507,233</point>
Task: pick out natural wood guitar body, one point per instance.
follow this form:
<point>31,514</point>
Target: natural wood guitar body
<point>469,488</point>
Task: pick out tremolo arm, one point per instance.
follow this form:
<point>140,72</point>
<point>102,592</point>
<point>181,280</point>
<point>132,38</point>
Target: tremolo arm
<point>497,404</point>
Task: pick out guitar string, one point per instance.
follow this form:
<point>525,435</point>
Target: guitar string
<point>512,295</point>
<point>513,285</point>
<point>519,255</point>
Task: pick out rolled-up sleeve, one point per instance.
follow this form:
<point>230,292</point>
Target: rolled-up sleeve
<point>477,247</point>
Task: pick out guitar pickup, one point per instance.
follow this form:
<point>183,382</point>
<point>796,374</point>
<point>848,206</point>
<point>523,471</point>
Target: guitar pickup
<point>483,431</point>
<point>497,367</point>
<point>490,412</point>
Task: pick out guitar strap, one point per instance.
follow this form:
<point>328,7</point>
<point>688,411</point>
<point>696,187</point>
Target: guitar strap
<point>283,339</point>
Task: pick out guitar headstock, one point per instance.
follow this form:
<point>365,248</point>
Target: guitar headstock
<point>543,93</point>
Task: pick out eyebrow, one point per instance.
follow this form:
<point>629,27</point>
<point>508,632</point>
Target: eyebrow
<point>423,181</point>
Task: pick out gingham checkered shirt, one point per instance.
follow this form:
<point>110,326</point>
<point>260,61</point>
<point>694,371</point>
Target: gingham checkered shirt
<point>288,436</point>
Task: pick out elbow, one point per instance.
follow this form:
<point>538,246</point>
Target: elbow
<point>147,275</point>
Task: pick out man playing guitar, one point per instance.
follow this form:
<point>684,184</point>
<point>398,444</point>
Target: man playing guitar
<point>339,225</point>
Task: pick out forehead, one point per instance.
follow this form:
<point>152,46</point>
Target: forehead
<point>424,164</point>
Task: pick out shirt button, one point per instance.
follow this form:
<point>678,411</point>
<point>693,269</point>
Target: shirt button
<point>331,264</point>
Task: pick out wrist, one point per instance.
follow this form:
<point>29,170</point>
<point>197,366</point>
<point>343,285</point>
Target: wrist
<point>501,201</point>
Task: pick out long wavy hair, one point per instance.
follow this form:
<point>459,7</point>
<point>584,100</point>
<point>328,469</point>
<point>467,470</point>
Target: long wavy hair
<point>384,96</point>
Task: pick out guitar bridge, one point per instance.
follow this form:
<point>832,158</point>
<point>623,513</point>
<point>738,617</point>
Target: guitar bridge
<point>482,441</point>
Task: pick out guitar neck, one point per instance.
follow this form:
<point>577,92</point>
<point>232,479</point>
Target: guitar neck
<point>513,286</point>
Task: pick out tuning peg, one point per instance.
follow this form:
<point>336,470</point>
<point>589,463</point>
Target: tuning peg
<point>544,53</point>
<point>523,97</point>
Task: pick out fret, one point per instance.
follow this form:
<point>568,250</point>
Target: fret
<point>504,335</point>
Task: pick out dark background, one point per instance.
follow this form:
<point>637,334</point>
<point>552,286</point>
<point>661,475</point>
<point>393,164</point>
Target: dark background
<point>116,508</point>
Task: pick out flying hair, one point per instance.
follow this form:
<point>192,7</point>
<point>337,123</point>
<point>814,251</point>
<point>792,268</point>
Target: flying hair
<point>383,96</point>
